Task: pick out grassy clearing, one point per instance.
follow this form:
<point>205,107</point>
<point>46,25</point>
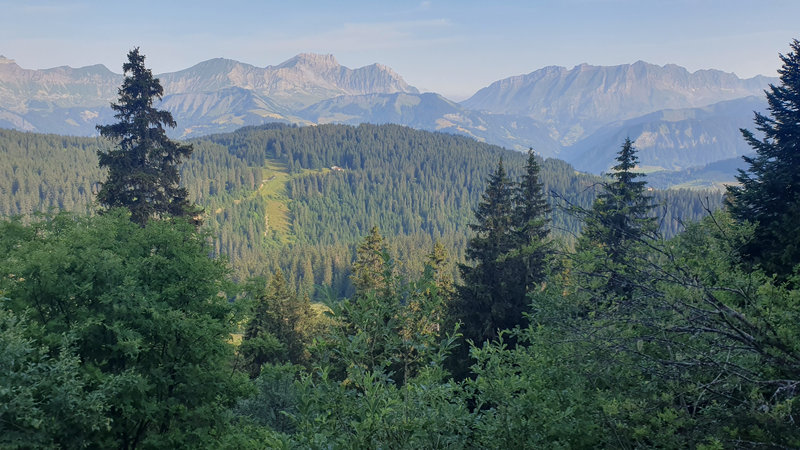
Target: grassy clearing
<point>273,193</point>
<point>648,169</point>
<point>701,185</point>
<point>236,339</point>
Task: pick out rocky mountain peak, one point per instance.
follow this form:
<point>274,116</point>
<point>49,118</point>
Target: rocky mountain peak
<point>577,101</point>
<point>312,61</point>
<point>213,65</point>
<point>380,68</point>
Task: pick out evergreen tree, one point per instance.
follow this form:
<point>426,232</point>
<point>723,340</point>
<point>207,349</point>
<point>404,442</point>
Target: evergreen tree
<point>484,305</point>
<point>618,221</point>
<point>510,252</point>
<point>769,194</point>
<point>440,266</point>
<point>531,213</point>
<point>274,334</point>
<point>438,291</point>
<point>143,170</point>
<point>370,264</point>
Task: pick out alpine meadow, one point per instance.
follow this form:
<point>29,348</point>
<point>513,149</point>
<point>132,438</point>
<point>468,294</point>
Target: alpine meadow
<point>310,256</point>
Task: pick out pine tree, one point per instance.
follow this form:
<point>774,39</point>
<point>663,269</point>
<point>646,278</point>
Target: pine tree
<point>769,190</point>
<point>143,170</point>
<point>617,223</point>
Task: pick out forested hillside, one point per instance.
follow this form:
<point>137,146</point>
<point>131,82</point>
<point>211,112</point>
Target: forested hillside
<point>269,188</point>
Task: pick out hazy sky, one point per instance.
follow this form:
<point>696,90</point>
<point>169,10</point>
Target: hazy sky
<point>450,47</point>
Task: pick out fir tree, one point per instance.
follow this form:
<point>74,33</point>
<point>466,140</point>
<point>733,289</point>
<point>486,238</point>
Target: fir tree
<point>371,264</point>
<point>617,223</point>
<point>143,169</point>
<point>437,281</point>
<point>483,304</point>
<point>441,270</point>
<point>531,222</point>
<point>509,250</point>
<point>274,334</point>
<point>769,190</point>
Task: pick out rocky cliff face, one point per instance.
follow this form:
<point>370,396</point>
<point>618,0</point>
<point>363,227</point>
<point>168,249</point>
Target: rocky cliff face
<point>216,91</point>
<point>576,102</point>
<point>22,90</point>
<point>296,83</point>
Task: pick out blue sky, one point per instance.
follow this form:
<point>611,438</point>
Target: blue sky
<point>450,47</point>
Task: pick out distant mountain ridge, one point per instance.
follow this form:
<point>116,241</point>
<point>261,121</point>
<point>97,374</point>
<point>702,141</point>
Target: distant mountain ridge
<point>432,112</point>
<point>672,139</point>
<point>23,90</point>
<point>576,102</point>
<point>29,97</point>
<point>679,119</point>
<point>298,82</point>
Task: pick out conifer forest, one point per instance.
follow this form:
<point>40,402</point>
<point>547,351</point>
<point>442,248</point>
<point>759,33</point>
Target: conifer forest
<point>381,287</point>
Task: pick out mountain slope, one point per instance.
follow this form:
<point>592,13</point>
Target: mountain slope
<point>223,110</point>
<point>298,82</point>
<point>263,187</point>
<point>434,113</point>
<point>671,139</point>
<point>23,90</point>
<point>712,176</point>
<point>581,114</point>
<point>53,100</point>
<point>576,102</point>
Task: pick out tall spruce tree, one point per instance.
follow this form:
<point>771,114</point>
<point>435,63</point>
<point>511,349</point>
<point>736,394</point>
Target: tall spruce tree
<point>531,224</point>
<point>484,304</point>
<point>369,271</point>
<point>274,334</point>
<point>616,225</point>
<point>441,270</point>
<point>769,190</point>
<point>143,168</point>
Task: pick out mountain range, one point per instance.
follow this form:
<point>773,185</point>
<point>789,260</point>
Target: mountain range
<point>678,119</point>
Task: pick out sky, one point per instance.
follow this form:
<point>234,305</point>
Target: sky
<point>451,47</point>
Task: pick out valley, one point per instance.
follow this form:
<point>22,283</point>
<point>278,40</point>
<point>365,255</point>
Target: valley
<point>490,244</point>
